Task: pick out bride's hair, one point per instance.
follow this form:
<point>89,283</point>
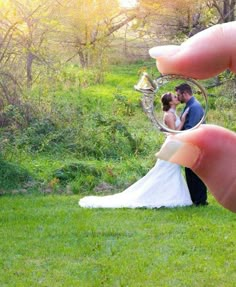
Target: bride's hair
<point>165,100</point>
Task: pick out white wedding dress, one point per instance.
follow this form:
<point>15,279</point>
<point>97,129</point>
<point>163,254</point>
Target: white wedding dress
<point>162,186</point>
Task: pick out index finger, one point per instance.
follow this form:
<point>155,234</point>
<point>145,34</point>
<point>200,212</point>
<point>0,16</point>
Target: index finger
<point>210,152</point>
<point>204,55</point>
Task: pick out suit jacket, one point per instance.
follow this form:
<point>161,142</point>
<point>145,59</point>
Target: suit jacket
<point>194,115</point>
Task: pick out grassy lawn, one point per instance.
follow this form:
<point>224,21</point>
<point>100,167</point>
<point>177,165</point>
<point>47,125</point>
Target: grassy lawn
<point>48,240</point>
<point>51,241</point>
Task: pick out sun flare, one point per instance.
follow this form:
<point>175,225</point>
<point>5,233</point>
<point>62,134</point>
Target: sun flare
<point>128,3</point>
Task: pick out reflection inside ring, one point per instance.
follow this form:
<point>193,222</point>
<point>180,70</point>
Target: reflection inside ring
<point>182,96</point>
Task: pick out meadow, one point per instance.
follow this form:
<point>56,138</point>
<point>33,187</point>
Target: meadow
<point>50,241</point>
<point>91,138</point>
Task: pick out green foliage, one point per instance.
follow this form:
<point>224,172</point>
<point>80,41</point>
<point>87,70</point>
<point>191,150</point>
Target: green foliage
<point>12,176</point>
<point>126,106</point>
<point>37,135</point>
<point>69,172</point>
<point>79,78</point>
<point>222,103</point>
<point>76,122</point>
<point>13,117</point>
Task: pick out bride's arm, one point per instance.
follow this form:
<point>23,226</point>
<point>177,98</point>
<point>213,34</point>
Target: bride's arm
<point>169,120</point>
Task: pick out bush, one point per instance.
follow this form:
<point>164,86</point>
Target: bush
<point>12,176</point>
<point>71,171</point>
<point>81,176</point>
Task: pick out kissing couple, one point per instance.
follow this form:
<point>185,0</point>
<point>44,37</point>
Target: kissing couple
<point>164,184</point>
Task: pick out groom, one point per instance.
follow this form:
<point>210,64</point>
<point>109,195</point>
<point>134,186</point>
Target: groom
<point>197,188</point>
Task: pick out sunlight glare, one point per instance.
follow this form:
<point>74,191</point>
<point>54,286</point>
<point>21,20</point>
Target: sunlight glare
<point>128,3</point>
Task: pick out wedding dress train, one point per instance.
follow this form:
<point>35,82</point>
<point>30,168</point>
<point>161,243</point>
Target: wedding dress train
<point>162,186</point>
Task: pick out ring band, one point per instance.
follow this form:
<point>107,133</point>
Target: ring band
<point>149,89</point>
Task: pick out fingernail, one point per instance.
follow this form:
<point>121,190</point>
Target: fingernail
<point>179,152</point>
<point>167,50</point>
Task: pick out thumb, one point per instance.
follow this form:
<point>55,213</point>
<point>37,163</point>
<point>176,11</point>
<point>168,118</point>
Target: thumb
<point>210,152</point>
<point>197,58</point>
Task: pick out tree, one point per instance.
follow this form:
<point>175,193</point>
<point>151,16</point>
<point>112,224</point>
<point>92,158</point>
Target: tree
<point>167,19</point>
<point>26,27</point>
<point>33,33</point>
<point>88,27</point>
<point>224,8</point>
<point>8,81</point>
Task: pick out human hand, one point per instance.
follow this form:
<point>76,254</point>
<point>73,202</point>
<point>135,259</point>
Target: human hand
<point>183,116</point>
<point>202,56</point>
<point>210,151</point>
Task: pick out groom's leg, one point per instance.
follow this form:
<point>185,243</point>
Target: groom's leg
<point>197,188</point>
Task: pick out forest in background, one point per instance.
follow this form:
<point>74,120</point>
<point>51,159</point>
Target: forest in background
<point>70,120</point>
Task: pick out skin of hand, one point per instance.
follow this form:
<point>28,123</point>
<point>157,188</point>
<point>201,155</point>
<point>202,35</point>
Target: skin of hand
<point>210,151</point>
<point>202,56</point>
<point>184,115</point>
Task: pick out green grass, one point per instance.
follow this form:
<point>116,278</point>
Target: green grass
<point>51,241</point>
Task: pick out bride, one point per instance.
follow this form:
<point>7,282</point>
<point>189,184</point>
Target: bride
<point>162,186</point>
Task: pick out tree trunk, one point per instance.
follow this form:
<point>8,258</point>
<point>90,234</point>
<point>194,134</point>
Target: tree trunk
<point>82,59</point>
<point>232,9</point>
<point>228,10</point>
<point>30,59</point>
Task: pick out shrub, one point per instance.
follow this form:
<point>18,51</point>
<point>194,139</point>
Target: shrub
<point>12,175</point>
<point>69,172</point>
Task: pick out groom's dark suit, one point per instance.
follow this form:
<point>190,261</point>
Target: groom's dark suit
<point>197,188</point>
